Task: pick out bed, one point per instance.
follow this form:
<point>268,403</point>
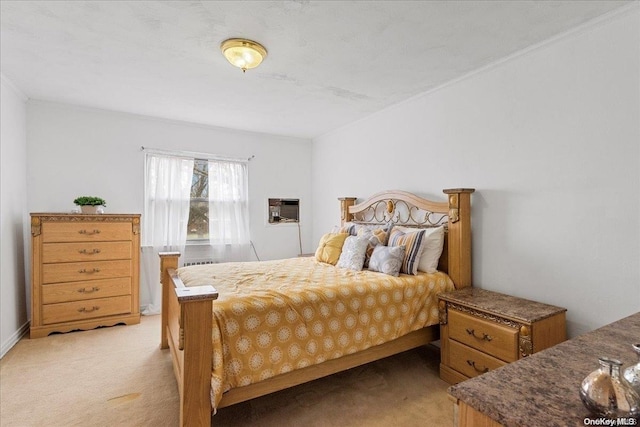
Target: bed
<point>216,319</point>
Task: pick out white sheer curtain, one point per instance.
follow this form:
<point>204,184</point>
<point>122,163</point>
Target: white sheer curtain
<point>167,187</point>
<point>229,210</point>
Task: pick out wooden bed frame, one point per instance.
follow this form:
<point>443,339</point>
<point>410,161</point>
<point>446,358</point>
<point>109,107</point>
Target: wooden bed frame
<point>187,312</point>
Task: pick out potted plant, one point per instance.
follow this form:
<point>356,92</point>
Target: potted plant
<point>89,204</point>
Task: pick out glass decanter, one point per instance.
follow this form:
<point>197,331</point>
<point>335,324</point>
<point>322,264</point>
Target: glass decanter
<point>607,394</point>
<point>632,373</point>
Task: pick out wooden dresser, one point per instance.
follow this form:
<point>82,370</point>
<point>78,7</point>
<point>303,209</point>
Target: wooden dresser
<point>85,271</point>
<point>482,330</point>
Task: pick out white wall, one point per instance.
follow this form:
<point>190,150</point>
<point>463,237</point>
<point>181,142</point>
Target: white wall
<point>550,139</point>
<point>77,151</point>
<point>13,214</point>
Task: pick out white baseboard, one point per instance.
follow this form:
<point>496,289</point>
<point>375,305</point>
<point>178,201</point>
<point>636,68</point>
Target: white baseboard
<point>13,339</point>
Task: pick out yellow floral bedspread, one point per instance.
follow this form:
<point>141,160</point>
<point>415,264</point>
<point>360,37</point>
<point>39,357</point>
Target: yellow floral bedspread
<point>276,316</point>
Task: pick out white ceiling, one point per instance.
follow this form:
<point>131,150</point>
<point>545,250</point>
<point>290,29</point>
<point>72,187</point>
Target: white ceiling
<point>329,63</point>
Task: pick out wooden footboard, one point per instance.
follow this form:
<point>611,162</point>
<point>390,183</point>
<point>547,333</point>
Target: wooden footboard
<point>186,331</point>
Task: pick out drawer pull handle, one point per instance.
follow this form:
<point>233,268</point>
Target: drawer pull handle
<point>93,270</point>
<point>93,251</point>
<point>473,365</point>
<point>89,233</point>
<point>484,336</point>
<point>92,309</point>
<point>88,291</point>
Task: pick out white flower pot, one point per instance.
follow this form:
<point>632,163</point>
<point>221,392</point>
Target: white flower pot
<point>89,209</point>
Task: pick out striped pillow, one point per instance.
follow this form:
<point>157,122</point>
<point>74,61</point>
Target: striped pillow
<point>348,228</point>
<point>414,243</point>
<point>434,237</point>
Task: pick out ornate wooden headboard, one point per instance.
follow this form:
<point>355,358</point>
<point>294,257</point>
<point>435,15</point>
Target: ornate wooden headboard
<point>409,210</point>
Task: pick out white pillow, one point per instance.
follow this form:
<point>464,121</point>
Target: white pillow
<point>353,253</point>
<point>434,242</point>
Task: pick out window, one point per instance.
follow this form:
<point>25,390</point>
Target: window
<point>228,203</point>
<point>198,224</point>
<point>218,208</point>
<point>195,199</point>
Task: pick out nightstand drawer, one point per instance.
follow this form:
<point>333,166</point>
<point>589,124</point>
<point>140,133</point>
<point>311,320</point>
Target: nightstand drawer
<point>80,310</point>
<point>489,337</point>
<point>87,251</point>
<point>471,362</point>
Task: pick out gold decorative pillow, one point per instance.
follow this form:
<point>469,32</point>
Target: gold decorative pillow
<point>330,247</point>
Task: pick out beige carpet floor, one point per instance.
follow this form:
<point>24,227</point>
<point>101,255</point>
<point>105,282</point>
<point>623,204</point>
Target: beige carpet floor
<point>118,376</point>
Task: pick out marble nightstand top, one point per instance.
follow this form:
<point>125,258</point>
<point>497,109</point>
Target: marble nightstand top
<point>518,309</point>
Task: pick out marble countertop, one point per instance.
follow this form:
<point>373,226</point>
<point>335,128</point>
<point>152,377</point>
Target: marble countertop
<point>518,309</point>
<point>542,389</point>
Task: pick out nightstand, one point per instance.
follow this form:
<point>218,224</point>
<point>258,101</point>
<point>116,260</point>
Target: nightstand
<point>482,330</point>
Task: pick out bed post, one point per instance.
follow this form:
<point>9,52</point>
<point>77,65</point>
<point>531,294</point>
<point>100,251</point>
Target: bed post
<point>459,240</point>
<point>187,322</point>
<point>345,204</point>
<point>196,305</point>
<point>167,260</point>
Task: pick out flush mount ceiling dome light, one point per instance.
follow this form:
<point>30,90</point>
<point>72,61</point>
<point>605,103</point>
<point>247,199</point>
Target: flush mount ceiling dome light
<point>243,53</point>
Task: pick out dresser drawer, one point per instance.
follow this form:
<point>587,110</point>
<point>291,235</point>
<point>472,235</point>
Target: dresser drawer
<point>85,231</point>
<point>83,271</point>
<point>88,309</point>
<point>86,251</point>
<point>471,362</point>
<point>78,291</point>
<point>484,335</point>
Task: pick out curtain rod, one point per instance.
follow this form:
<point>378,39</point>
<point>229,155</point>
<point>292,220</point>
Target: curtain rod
<point>194,155</point>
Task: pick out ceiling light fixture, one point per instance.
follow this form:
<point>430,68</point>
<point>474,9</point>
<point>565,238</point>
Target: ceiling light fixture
<point>243,53</point>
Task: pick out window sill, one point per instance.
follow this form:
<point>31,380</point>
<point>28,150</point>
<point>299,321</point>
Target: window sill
<point>202,242</point>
